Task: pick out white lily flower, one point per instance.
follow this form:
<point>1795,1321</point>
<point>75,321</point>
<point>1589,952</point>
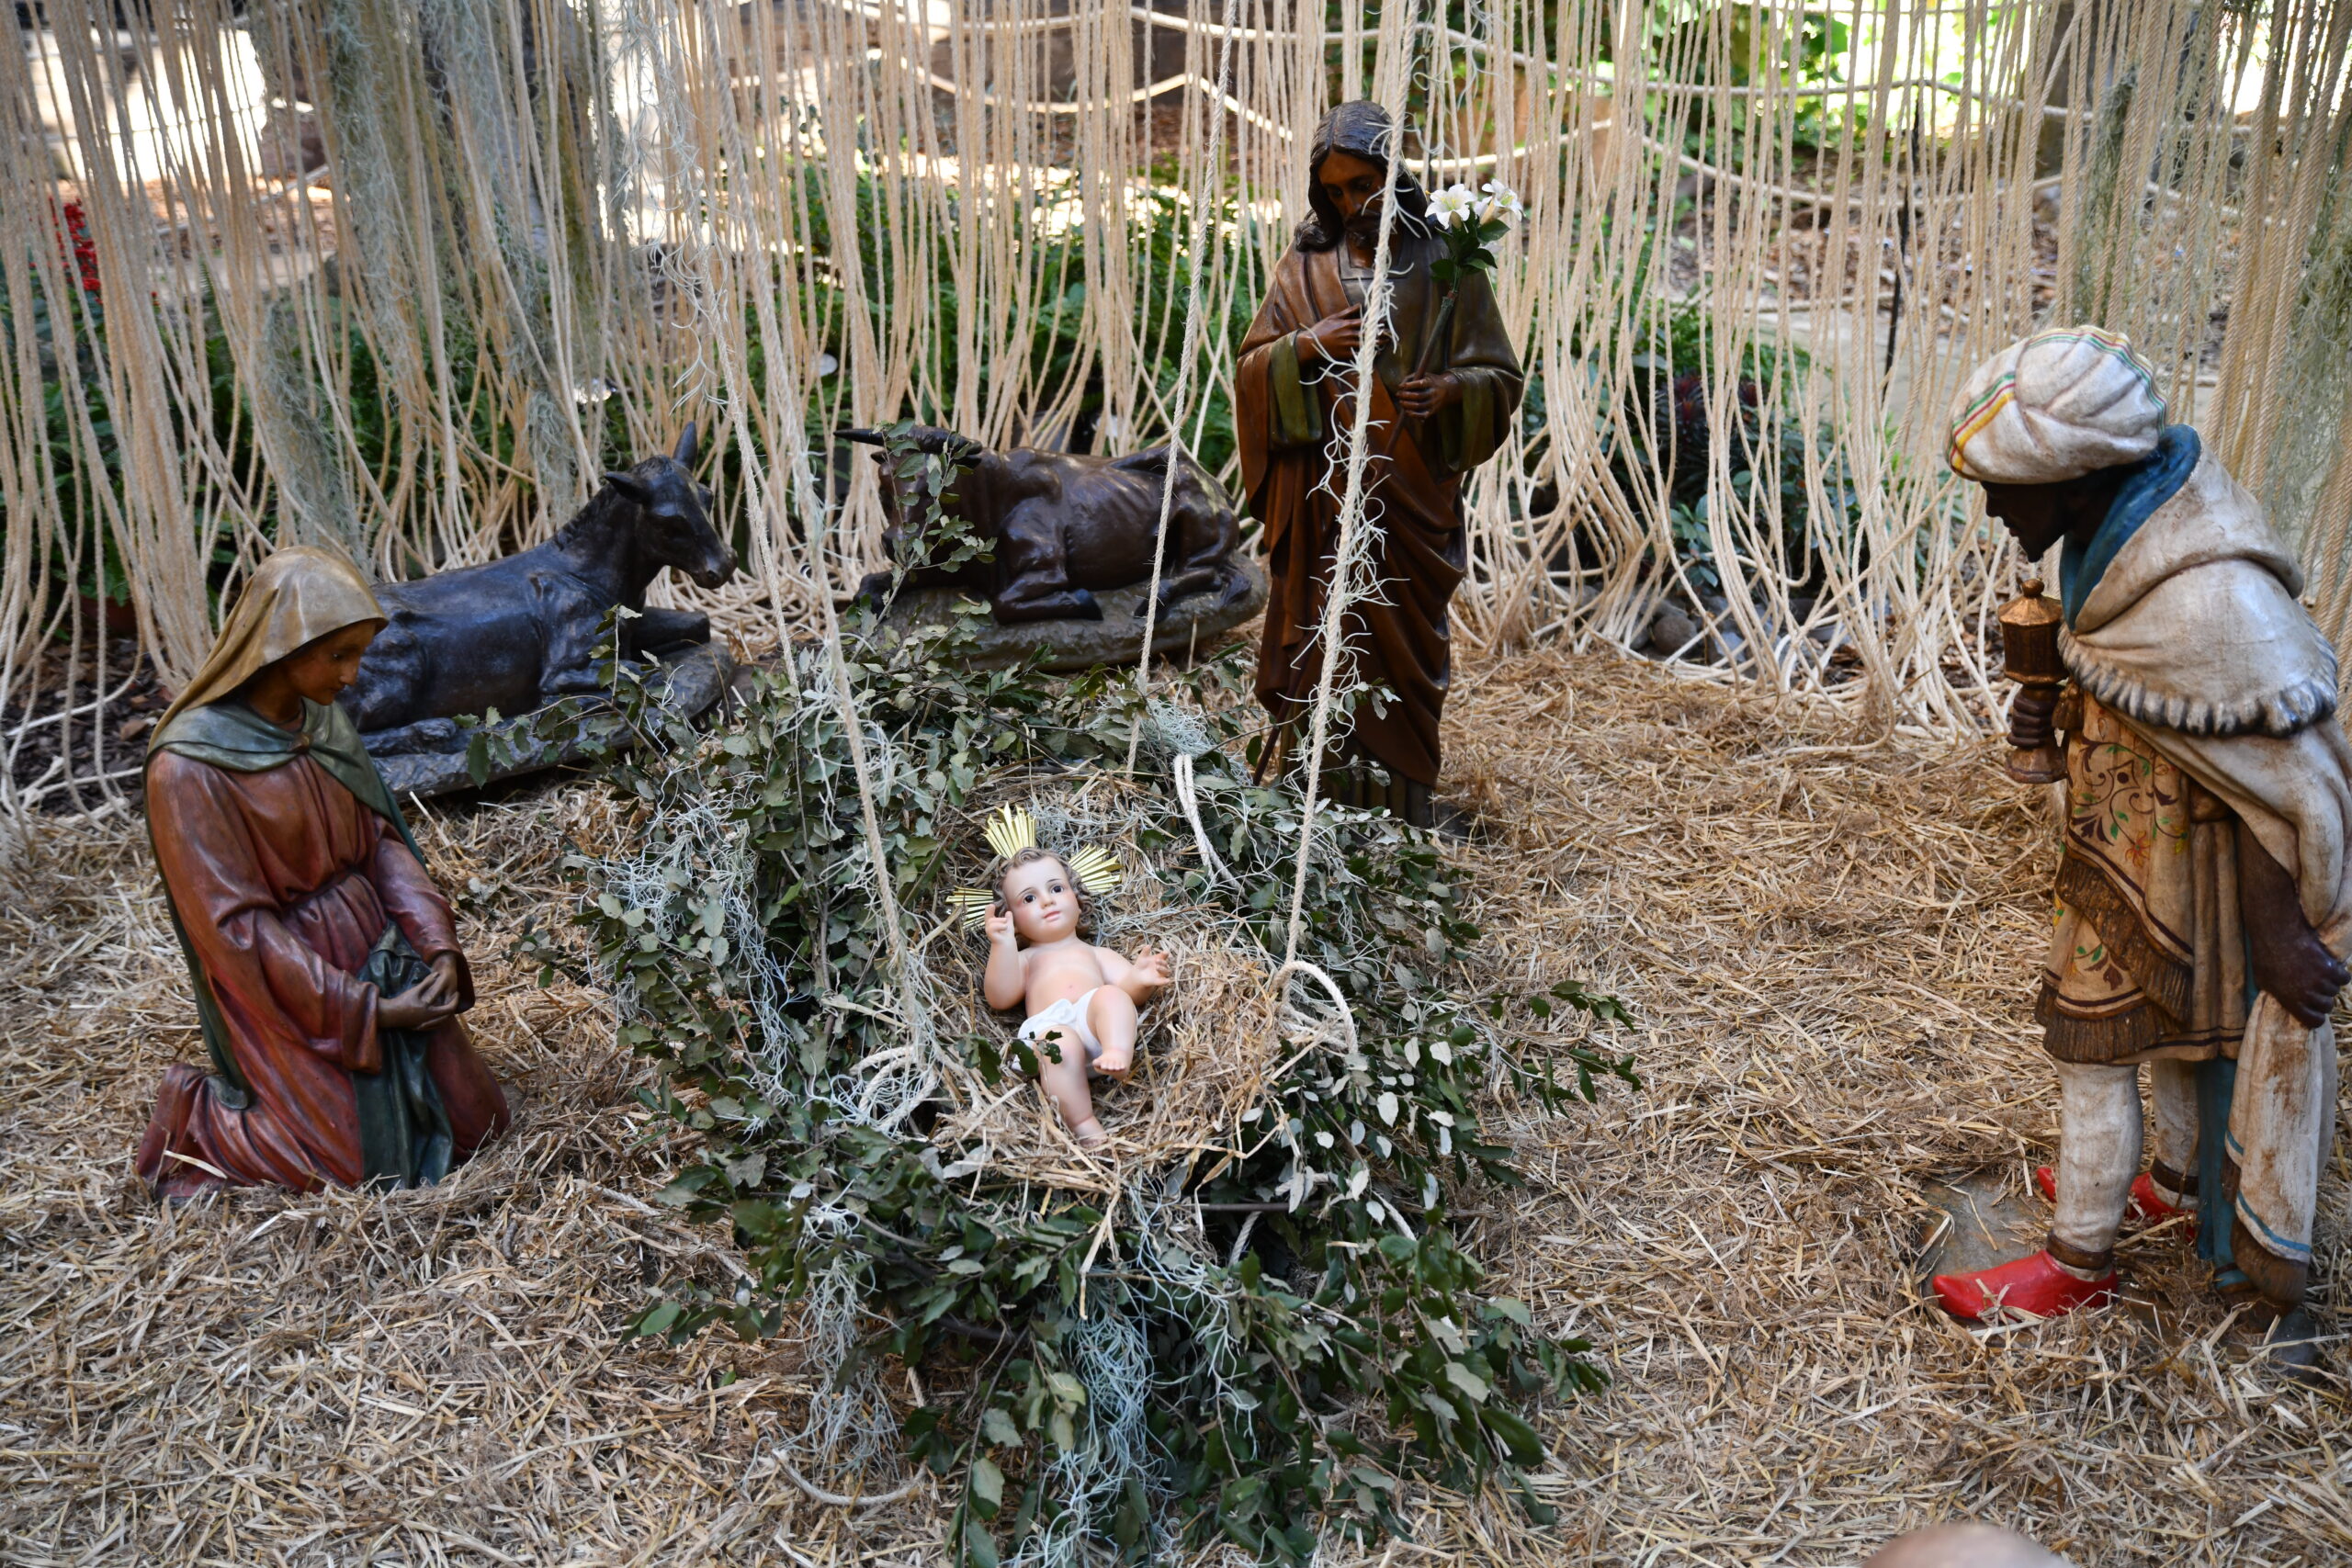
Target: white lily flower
<point>1500,202</point>
<point>1451,205</point>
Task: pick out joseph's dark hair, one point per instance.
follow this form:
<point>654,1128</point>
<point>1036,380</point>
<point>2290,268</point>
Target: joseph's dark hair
<point>1362,128</point>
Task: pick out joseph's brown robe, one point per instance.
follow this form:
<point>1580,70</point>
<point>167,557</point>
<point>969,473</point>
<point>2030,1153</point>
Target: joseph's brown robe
<point>1287,418</point>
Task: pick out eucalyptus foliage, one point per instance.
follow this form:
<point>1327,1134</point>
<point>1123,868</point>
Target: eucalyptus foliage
<point>1310,1334</point>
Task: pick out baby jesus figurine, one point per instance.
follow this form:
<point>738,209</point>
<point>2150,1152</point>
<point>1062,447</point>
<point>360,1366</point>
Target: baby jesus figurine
<point>1078,994</point>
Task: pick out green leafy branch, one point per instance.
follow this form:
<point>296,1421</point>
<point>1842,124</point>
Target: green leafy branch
<point>1316,1332</point>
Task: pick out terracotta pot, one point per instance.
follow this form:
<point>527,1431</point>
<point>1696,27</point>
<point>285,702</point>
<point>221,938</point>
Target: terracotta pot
<point>121,620</point>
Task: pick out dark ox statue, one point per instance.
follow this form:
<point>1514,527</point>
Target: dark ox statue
<point>518,633</point>
<point>1064,527</point>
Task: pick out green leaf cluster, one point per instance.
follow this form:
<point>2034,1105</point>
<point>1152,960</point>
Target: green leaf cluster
<point>1469,247</point>
<point>1321,1334</point>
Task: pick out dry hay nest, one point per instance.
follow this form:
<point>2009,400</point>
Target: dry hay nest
<point>1212,1045</point>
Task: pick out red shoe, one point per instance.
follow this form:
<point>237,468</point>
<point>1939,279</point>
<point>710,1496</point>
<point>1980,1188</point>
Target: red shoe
<point>2147,1207</point>
<point>2033,1286</point>
<point>2144,1207</point>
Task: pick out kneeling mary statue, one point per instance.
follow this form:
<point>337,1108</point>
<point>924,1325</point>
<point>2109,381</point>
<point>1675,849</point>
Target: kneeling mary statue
<point>327,974</point>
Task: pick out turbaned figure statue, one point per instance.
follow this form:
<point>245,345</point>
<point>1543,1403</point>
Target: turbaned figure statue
<point>2204,896</point>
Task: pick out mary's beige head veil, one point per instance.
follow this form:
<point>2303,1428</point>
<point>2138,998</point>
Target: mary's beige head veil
<point>298,595</point>
<point>2053,407</point>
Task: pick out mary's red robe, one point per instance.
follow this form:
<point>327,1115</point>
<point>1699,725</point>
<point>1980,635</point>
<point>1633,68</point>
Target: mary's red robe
<point>283,882</point>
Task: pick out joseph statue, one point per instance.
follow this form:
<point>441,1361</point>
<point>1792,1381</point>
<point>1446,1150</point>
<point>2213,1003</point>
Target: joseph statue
<point>1438,409</point>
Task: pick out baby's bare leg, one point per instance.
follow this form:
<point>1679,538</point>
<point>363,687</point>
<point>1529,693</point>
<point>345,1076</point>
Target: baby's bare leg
<point>1066,1081</point>
<point>1112,1016</point>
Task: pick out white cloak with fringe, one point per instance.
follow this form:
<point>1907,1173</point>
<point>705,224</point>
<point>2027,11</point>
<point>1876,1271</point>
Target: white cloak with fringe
<point>2194,633</point>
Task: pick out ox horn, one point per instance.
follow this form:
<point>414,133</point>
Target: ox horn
<point>940,443</point>
<point>685,455</point>
<point>865,437</point>
<point>627,485</point>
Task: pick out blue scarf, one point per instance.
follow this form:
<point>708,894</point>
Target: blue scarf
<point>2153,481</point>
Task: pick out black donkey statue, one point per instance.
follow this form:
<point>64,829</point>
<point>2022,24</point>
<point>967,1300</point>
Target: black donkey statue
<point>518,633</point>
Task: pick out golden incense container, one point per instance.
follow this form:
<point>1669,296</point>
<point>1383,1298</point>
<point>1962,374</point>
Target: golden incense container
<point>2030,625</point>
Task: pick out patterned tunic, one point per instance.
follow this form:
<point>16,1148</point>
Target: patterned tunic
<point>2147,957</point>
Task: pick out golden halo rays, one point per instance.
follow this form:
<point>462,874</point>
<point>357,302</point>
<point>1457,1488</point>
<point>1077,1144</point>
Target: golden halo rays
<point>1009,829</point>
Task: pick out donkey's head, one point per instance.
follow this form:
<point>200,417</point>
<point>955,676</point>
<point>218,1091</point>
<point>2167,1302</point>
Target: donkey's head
<point>673,522</point>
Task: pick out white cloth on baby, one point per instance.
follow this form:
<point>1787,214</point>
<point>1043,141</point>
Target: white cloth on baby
<point>1066,1017</point>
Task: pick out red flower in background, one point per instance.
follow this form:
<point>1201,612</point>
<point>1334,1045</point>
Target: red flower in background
<point>77,237</point>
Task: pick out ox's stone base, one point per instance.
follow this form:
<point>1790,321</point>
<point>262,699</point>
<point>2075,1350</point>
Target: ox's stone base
<point>1116,638</point>
<point>690,681</point>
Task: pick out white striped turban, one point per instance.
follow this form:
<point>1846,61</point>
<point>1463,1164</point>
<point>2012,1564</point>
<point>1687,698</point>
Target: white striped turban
<point>2053,407</point>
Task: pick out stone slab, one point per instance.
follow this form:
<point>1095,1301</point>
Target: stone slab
<point>1984,1220</point>
<point>689,683</point>
<point>1070,645</point>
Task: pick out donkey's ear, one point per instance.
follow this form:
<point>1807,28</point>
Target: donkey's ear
<point>627,484</point>
<point>685,455</point>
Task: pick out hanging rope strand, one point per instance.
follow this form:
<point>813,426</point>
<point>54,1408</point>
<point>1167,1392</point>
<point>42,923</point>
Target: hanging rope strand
<point>1352,555</point>
<point>1204,202</point>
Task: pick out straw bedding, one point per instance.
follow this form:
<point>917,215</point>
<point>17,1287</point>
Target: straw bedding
<point>1827,942</point>
<point>1207,1044</point>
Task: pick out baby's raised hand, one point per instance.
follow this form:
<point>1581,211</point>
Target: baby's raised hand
<point>1151,970</point>
<point>1000,925</point>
